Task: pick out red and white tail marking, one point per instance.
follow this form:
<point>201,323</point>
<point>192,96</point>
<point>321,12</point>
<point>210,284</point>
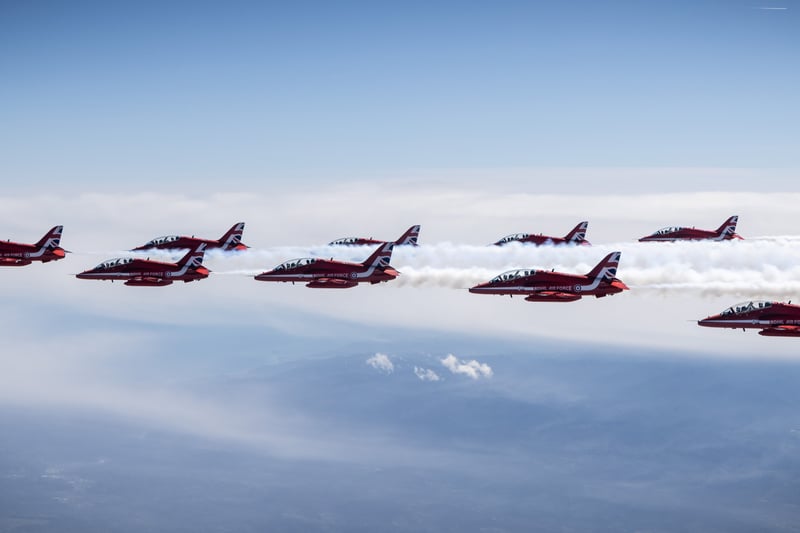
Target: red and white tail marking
<point>728,228</point>
<point>381,257</point>
<point>409,237</point>
<point>606,270</point>
<point>51,239</point>
<point>578,233</point>
<point>194,258</point>
<point>233,237</point>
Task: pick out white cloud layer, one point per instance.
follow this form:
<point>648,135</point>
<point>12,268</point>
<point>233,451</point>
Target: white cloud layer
<point>672,285</point>
<point>381,361</point>
<point>472,369</point>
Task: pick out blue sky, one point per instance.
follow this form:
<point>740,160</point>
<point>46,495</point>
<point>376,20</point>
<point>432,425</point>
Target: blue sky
<point>229,404</point>
<point>248,92</point>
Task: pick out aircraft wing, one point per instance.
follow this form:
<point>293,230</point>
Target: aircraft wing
<point>781,331</point>
<point>552,296</point>
<point>331,283</point>
<point>13,261</point>
<point>148,281</point>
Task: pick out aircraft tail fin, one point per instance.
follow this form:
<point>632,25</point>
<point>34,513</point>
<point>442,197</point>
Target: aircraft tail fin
<point>409,237</point>
<point>195,257</point>
<point>578,233</point>
<point>607,268</point>
<point>381,257</point>
<point>232,238</point>
<point>51,239</point>
<point>728,228</point>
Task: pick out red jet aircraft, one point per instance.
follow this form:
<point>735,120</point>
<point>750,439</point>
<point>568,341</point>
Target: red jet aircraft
<point>576,236</point>
<point>725,232</point>
<point>331,274</point>
<point>147,273</point>
<point>46,250</point>
<point>775,319</point>
<point>232,240</point>
<point>550,286</point>
<point>409,237</point>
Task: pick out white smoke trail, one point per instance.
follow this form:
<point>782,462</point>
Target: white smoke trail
<point>766,266</point>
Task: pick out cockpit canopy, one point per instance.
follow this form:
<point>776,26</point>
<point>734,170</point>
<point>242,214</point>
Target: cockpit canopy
<point>163,240</point>
<point>513,237</point>
<point>670,229</point>
<point>513,274</point>
<point>294,263</point>
<point>345,240</point>
<point>111,263</point>
<point>746,307</point>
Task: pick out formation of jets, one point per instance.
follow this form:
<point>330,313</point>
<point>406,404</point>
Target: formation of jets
<point>773,319</point>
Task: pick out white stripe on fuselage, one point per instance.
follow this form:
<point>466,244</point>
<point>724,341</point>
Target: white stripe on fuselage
<point>157,274</point>
<point>752,321</point>
<point>335,275</point>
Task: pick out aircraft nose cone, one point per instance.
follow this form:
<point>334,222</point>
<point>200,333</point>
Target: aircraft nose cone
<point>477,288</point>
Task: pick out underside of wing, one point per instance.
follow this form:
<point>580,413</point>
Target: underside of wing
<point>148,281</point>
<point>13,261</point>
<point>552,296</point>
<point>781,331</point>
<point>331,283</point>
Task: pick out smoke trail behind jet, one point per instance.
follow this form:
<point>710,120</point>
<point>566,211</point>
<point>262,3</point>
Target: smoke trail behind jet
<point>760,267</point>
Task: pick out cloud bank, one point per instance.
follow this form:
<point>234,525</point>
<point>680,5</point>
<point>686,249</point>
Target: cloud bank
<point>672,284</point>
<point>472,369</point>
<point>426,374</point>
<point>381,362</point>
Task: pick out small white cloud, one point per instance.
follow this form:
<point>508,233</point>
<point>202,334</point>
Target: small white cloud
<point>472,369</point>
<point>426,374</point>
<point>381,361</point>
